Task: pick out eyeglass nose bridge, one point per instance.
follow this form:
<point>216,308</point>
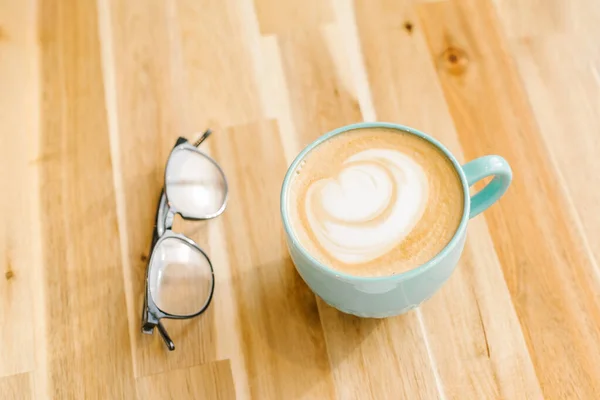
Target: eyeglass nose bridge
<point>165,216</point>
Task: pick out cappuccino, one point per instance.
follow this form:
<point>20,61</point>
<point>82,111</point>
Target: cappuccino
<point>375,201</point>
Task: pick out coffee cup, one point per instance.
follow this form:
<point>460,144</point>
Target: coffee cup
<point>400,291</point>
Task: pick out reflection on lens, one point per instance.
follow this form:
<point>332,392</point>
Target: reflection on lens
<point>195,185</point>
<point>180,277</point>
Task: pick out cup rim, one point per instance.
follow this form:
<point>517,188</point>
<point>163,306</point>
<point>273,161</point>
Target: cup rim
<point>399,276</point>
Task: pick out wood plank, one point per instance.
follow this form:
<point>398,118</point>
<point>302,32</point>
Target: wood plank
<point>551,278</point>
<point>276,16</point>
<point>475,313</point>
<point>561,73</point>
<point>329,55</point>
<point>18,79</point>
<point>85,297</point>
<point>372,358</point>
<point>147,122</point>
<point>16,387</point>
<point>275,94</point>
<point>548,16</point>
<point>283,344</point>
<point>319,99</point>
<point>400,75</point>
<point>563,85</point>
<point>220,86</point>
<point>473,310</point>
<point>208,381</point>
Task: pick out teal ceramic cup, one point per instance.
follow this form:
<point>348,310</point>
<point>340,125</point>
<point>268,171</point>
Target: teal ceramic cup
<point>392,295</point>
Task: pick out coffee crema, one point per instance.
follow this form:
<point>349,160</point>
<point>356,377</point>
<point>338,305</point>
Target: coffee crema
<point>375,201</point>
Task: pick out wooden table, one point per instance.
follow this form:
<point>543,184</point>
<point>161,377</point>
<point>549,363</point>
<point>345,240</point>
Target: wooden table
<point>93,95</point>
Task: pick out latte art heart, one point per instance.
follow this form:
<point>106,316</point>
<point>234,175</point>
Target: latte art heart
<point>374,202</point>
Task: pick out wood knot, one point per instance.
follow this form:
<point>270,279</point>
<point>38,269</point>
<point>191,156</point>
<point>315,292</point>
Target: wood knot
<point>408,26</point>
<point>454,60</point>
<point>143,257</point>
<point>9,275</point>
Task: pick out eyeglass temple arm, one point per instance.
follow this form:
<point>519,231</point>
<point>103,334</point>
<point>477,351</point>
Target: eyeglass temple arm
<point>204,136</point>
<point>165,336</point>
<point>164,218</point>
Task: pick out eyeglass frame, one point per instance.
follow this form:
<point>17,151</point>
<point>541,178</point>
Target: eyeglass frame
<point>165,214</point>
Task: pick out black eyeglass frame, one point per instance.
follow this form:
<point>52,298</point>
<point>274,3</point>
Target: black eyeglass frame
<point>165,214</point>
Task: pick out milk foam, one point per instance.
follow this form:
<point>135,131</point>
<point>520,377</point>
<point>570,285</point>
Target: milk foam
<point>376,199</point>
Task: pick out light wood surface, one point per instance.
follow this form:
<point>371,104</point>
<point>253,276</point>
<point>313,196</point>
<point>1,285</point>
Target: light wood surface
<point>94,94</point>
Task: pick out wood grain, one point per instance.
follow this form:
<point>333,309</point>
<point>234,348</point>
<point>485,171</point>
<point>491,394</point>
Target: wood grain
<point>16,387</point>
<point>282,16</point>
<point>94,95</point>
<point>220,86</point>
<point>477,287</point>
<point>549,17</point>
<point>358,347</point>
<point>209,381</point>
<point>319,101</point>
<point>17,98</point>
<point>562,77</point>
<point>87,339</point>
<point>558,306</point>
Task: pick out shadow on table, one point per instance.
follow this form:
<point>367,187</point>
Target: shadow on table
<point>283,331</point>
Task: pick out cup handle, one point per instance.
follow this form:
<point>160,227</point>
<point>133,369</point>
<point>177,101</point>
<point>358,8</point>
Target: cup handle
<point>481,168</point>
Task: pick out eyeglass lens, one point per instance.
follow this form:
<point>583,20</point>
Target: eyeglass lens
<point>181,279</point>
<point>195,185</point>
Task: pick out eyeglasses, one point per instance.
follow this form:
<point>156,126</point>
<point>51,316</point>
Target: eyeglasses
<point>179,277</point>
